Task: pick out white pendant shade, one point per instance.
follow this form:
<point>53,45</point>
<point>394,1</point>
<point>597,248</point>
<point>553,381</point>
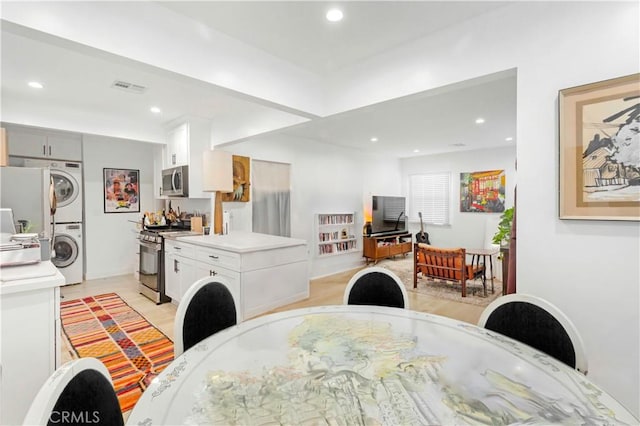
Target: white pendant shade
<point>217,171</point>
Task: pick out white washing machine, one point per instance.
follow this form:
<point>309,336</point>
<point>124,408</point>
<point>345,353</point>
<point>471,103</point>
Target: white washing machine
<point>67,180</point>
<point>67,243</point>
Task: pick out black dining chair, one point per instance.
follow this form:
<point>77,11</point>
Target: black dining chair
<point>539,324</point>
<point>80,392</point>
<point>207,307</point>
<point>376,286</point>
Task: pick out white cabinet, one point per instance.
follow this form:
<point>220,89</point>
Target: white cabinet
<point>335,233</point>
<point>38,143</point>
<point>187,139</point>
<point>171,277</point>
<point>178,146</point>
<point>30,321</point>
<point>179,271</point>
<point>264,272</point>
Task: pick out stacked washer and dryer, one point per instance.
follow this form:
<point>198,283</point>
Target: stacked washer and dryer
<point>67,226</point>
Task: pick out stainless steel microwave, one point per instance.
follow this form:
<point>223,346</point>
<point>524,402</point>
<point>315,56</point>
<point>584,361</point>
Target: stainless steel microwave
<point>175,181</point>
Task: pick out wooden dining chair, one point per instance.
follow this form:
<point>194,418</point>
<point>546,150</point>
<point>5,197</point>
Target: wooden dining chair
<point>79,392</point>
<point>207,307</point>
<point>537,323</point>
<point>376,286</point>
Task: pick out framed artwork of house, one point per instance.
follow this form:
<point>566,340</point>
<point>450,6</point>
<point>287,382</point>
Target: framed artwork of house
<point>600,150</point>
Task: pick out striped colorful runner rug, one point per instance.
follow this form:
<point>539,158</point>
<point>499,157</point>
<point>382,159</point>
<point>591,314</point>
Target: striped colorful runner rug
<point>133,350</point>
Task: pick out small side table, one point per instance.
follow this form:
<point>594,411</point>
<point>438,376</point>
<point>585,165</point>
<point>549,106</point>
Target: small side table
<point>475,257</point>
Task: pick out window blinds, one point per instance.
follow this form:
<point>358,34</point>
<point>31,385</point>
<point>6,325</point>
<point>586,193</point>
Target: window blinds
<point>430,195</point>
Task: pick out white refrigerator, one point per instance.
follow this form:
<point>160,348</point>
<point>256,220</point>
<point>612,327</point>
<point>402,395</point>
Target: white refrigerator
<point>25,190</point>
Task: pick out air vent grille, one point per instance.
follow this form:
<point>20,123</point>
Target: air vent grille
<point>128,87</point>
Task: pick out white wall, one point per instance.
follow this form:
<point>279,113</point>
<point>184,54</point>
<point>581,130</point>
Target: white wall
<point>589,269</point>
<point>324,179</point>
<point>466,229</point>
<point>110,243</point>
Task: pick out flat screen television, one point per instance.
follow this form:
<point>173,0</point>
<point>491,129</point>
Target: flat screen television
<point>388,214</point>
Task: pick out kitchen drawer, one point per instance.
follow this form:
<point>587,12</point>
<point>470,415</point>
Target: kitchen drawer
<point>178,249</point>
<point>215,257</point>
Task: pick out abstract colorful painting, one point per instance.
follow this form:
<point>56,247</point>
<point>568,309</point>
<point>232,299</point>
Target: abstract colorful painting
<point>482,192</point>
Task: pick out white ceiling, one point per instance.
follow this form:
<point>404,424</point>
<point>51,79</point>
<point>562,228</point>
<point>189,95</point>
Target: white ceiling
<point>78,80</point>
<point>430,122</point>
<point>297,31</point>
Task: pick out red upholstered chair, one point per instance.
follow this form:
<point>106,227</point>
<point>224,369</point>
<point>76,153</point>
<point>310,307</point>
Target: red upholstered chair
<point>447,264</point>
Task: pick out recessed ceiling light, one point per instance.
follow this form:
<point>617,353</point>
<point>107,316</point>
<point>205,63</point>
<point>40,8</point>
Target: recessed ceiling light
<point>35,85</point>
<point>509,139</point>
<point>155,110</point>
<point>374,139</point>
<point>416,150</point>
<point>334,15</point>
<point>479,120</point>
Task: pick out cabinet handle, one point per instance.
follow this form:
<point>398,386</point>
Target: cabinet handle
<point>44,150</point>
<point>49,150</point>
<point>212,273</point>
<point>173,159</point>
<point>213,257</point>
<point>178,248</point>
<point>175,266</point>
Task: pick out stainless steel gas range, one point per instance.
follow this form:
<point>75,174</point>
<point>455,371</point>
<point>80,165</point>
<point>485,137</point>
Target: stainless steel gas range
<point>151,267</point>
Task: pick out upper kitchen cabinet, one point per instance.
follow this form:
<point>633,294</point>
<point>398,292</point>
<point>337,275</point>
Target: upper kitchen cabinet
<point>178,146</point>
<point>187,139</point>
<point>41,143</point>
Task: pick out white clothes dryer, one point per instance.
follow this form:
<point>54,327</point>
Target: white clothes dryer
<point>69,251</point>
<point>67,180</point>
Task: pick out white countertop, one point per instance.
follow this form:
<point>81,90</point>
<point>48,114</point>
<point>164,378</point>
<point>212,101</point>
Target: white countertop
<point>15,279</point>
<point>243,242</point>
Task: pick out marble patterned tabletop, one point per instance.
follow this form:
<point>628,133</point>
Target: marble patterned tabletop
<point>369,365</point>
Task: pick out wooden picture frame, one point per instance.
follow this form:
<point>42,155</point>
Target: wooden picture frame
<point>599,147</point>
<point>121,190</point>
<point>241,180</point>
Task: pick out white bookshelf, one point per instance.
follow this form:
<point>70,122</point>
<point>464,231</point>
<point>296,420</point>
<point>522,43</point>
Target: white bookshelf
<point>335,234</point>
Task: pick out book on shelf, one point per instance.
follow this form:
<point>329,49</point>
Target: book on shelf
<point>335,219</point>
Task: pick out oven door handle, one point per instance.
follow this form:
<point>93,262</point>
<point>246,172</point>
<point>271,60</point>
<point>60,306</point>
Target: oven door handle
<point>152,246</point>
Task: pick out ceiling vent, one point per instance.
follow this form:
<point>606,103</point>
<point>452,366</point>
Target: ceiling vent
<point>128,87</point>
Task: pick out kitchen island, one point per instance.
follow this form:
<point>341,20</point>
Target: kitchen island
<point>29,354</point>
<point>263,271</point>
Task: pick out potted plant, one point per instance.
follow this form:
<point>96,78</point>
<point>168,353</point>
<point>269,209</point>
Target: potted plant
<point>503,233</point>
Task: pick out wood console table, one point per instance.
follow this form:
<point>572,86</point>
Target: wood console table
<point>376,247</point>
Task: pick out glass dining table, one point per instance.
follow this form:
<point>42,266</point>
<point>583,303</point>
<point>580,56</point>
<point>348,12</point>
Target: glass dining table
<point>361,365</point>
